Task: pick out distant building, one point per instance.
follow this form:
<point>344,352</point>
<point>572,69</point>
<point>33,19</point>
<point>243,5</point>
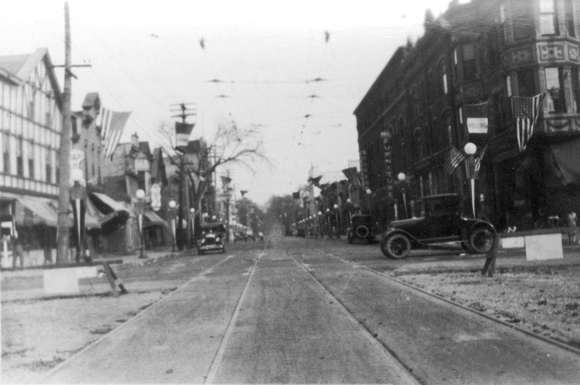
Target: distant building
<point>457,85</point>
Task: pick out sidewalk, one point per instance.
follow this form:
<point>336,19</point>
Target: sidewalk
<point>28,283</point>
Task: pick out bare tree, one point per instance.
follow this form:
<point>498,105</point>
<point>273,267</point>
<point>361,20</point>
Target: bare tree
<point>229,145</point>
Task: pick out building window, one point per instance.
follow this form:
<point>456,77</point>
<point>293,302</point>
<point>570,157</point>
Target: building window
<point>19,158</point>
<point>443,69</point>
<point>523,18</point>
<point>6,154</point>
<point>575,89</point>
<point>555,88</point>
<point>418,145</point>
<point>448,135</point>
<point>569,11</point>
<point>548,17</point>
<point>48,165</point>
<point>526,83</point>
<point>469,69</point>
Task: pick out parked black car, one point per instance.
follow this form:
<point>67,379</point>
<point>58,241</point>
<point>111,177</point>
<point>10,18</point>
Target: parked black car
<point>361,229</point>
<point>212,238</point>
<point>441,222</point>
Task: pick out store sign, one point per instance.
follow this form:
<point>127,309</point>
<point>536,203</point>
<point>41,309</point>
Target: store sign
<point>76,157</point>
<point>477,125</point>
<point>155,197</point>
<point>141,164</point>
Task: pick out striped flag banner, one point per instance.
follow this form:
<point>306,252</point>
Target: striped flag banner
<point>526,111</point>
<point>353,176</point>
<point>112,126</point>
<point>477,162</point>
<point>454,158</point>
<point>182,133</point>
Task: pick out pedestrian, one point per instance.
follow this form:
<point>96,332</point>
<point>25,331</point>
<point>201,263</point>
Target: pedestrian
<point>572,227</point>
<point>18,253</point>
<point>261,235</point>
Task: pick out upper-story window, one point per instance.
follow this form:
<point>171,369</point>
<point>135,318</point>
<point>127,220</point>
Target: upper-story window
<point>526,83</point>
<point>418,143</point>
<point>6,153</point>
<point>569,12</point>
<point>575,89</point>
<point>548,17</point>
<point>523,19</point>
<point>469,69</point>
<point>555,88</point>
<point>443,71</point>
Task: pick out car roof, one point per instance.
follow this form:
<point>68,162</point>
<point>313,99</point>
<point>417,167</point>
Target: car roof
<point>215,225</point>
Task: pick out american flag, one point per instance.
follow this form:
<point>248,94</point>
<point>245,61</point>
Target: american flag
<point>353,176</point>
<point>112,126</point>
<point>477,162</point>
<point>526,111</point>
<point>455,157</point>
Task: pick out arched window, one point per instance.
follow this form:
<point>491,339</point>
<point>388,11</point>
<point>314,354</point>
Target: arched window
<point>447,131</point>
<point>418,144</point>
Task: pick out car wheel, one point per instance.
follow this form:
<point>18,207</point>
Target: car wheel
<point>481,240</point>
<point>362,231</point>
<point>224,250</point>
<point>397,246</point>
<point>200,252</point>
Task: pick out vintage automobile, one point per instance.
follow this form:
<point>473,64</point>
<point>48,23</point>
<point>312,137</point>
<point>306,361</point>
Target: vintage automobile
<point>212,238</point>
<point>361,229</point>
<point>441,222</point>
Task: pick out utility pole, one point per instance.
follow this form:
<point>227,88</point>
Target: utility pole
<point>183,115</point>
<point>63,219</point>
<point>184,111</point>
<point>64,159</point>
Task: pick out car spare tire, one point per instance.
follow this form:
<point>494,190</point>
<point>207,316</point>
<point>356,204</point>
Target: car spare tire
<point>362,231</point>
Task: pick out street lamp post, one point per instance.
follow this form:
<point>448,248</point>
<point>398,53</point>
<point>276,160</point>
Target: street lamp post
<point>140,210</point>
<point>470,150</point>
<point>77,195</point>
<point>192,219</point>
<point>336,220</point>
<point>172,213</point>
<point>402,182</point>
<point>328,222</point>
<point>319,218</point>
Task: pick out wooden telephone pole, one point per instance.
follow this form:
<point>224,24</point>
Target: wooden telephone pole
<point>64,158</point>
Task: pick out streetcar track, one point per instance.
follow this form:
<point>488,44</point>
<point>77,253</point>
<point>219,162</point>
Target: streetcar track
<point>437,297</point>
<point>132,320</point>
<point>366,331</point>
<point>216,362</point>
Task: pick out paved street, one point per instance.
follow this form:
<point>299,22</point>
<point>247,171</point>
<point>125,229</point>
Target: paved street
<point>291,312</point>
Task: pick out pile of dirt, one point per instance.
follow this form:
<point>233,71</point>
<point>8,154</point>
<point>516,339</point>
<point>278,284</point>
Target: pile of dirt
<point>544,300</point>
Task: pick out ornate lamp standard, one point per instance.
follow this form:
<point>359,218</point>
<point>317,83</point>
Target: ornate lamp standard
<point>470,150</point>
<point>172,214</point>
<point>320,224</point>
<point>192,221</point>
<point>77,195</point>
<point>336,219</point>
<point>140,210</point>
<point>403,185</point>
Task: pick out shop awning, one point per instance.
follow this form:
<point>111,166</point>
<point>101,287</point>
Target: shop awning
<point>153,220</point>
<point>33,211</point>
<point>113,214</point>
<point>567,156</point>
<point>36,211</point>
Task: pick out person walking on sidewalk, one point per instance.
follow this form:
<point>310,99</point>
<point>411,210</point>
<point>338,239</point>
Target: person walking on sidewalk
<point>572,227</point>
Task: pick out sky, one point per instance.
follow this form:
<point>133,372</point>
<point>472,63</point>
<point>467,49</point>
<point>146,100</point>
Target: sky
<point>147,57</point>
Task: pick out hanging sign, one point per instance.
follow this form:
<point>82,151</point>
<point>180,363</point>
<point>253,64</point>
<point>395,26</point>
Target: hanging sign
<point>155,197</point>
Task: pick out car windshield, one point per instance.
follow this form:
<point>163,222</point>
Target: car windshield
<point>442,205</point>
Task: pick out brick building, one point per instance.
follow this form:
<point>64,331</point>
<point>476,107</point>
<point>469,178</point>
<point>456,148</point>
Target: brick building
<point>456,85</point>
